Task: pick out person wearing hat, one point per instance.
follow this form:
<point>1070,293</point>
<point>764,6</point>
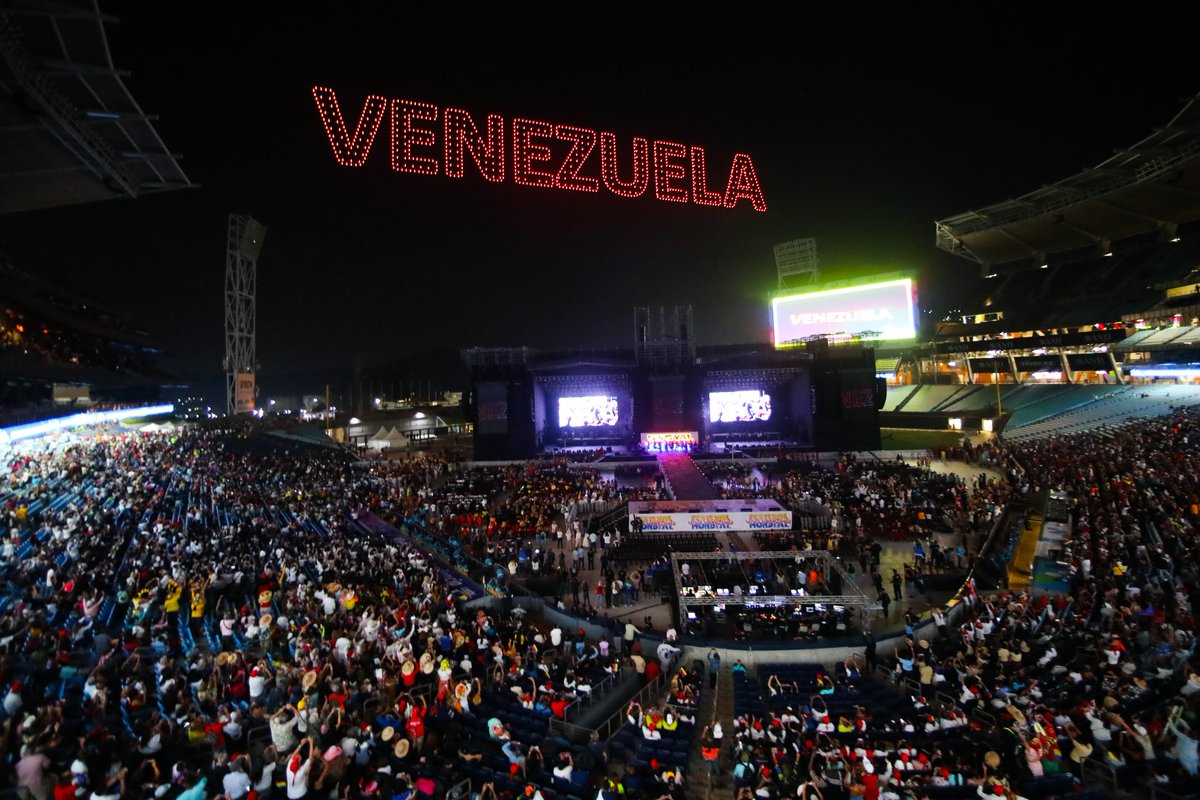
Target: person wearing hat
<point>332,768</point>
<point>1080,750</point>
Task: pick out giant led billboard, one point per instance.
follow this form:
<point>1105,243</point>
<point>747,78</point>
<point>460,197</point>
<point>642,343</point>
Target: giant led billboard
<point>883,310</point>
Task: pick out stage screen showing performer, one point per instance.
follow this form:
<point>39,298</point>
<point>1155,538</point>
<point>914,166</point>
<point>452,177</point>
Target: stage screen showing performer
<point>587,412</point>
<point>751,405</point>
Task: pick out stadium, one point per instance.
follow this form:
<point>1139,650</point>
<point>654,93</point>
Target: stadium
<point>863,555</point>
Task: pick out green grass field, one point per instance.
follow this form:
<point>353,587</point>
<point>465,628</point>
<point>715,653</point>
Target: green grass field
<point>908,439</point>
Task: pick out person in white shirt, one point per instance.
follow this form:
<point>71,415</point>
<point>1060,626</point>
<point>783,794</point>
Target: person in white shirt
<point>556,636</point>
<point>12,700</point>
<point>257,681</point>
<point>237,783</point>
<point>564,768</point>
<point>328,602</point>
<point>298,767</point>
<point>1100,731</point>
<point>666,655</point>
<point>233,725</point>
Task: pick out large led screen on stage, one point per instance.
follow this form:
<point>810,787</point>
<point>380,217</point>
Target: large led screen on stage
<point>587,412</point>
<point>750,405</point>
<point>882,310</point>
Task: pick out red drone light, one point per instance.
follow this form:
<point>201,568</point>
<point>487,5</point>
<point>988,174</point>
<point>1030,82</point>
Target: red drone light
<point>543,154</point>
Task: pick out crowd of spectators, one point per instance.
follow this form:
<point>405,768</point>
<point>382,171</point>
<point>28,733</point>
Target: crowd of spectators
<point>193,616</point>
<point>1027,694</point>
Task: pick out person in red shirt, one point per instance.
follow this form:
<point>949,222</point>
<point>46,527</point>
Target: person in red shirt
<point>416,724</point>
<point>217,729</point>
<point>870,780</point>
<point>339,695</point>
<point>64,788</point>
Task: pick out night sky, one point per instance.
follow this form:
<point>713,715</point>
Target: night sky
<point>863,130</point>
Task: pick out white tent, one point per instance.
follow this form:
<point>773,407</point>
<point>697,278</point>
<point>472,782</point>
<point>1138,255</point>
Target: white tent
<point>380,440</point>
<point>387,438</point>
<point>396,439</point>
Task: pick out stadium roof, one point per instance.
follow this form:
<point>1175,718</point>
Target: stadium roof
<point>70,131</point>
<point>1153,186</point>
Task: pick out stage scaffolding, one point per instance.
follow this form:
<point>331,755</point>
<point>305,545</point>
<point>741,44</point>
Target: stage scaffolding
<point>826,561</point>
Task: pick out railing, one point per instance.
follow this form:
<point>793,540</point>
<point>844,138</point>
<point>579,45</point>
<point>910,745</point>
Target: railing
<point>584,699</point>
<point>1097,773</point>
<point>613,723</point>
<point>460,790</point>
<point>1159,793</point>
<point>978,713</point>
<point>610,516</point>
<point>419,533</point>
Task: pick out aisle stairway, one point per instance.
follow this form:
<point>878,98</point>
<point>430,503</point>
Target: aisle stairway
<point>714,705</point>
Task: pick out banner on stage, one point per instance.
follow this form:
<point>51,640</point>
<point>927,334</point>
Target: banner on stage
<point>712,521</point>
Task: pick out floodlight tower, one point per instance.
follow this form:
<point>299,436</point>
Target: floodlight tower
<point>796,262</point>
<point>243,243</point>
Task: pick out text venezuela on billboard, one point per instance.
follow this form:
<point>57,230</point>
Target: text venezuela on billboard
<point>882,310</point>
<point>426,139</point>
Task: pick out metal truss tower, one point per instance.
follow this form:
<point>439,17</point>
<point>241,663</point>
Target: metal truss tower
<point>663,337</point>
<point>242,246</point>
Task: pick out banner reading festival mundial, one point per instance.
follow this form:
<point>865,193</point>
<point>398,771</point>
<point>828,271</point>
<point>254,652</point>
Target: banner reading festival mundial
<point>714,521</point>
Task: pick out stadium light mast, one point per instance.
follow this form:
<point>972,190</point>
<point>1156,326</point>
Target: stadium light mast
<point>796,263</point>
<point>243,243</point>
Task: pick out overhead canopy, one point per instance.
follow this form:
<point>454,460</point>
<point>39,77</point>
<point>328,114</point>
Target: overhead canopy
<point>70,131</point>
<point>1153,186</point>
<point>1183,337</point>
